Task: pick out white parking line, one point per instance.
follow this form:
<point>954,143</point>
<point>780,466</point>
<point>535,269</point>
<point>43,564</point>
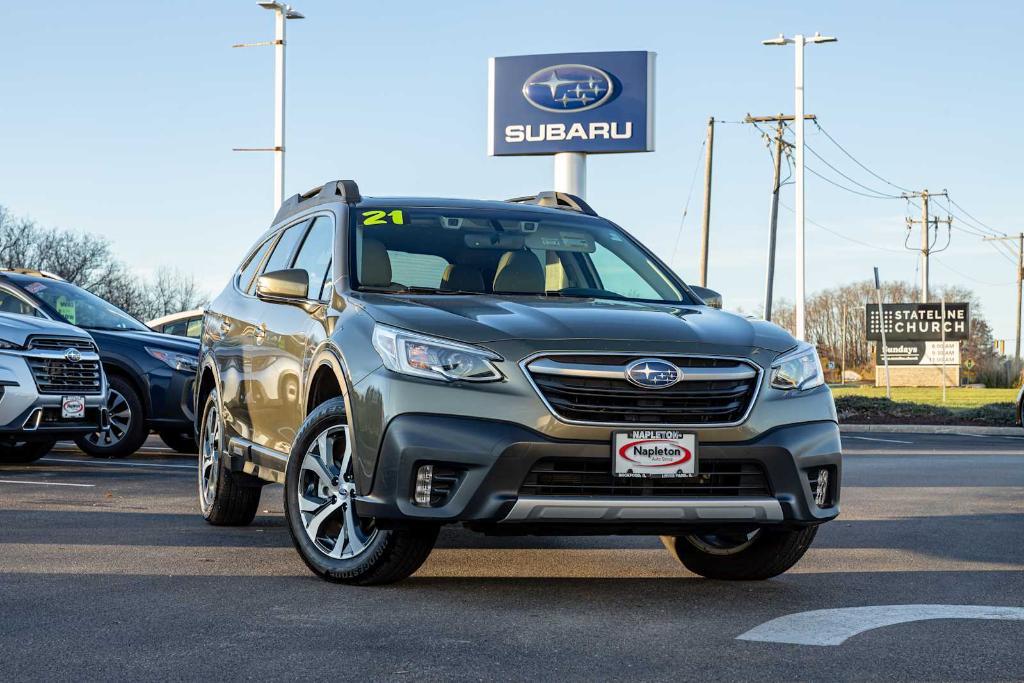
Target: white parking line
<point>835,626</point>
<point>43,483</point>
<point>871,438</point>
<point>119,463</point>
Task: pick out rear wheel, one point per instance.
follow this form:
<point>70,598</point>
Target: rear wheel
<point>226,498</point>
<point>741,556</point>
<point>183,442</point>
<point>320,491</point>
<point>127,430</point>
<point>14,451</point>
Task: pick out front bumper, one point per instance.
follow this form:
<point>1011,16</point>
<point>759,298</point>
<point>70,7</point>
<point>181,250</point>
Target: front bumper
<point>493,459</point>
<point>30,415</point>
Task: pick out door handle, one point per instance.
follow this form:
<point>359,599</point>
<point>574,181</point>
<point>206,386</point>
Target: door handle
<point>261,333</point>
<point>225,326</point>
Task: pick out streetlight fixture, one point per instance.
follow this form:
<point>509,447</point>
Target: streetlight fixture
<point>799,40</point>
<point>282,13</point>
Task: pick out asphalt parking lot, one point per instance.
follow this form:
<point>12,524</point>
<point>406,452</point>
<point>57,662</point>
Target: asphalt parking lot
<point>106,569</point>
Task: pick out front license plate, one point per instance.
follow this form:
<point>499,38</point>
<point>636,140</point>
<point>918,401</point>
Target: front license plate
<point>72,407</point>
<point>654,453</point>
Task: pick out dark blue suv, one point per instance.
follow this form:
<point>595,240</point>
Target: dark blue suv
<point>151,375</point>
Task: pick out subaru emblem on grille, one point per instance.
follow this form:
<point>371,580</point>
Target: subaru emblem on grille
<point>72,355</point>
<point>653,373</point>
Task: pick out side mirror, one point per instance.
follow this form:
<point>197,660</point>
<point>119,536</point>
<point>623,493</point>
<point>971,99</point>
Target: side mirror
<point>710,296</point>
<point>290,283</point>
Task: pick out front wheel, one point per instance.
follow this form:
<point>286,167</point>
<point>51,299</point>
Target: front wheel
<point>16,452</point>
<point>127,430</point>
<point>741,556</point>
<point>320,491</point>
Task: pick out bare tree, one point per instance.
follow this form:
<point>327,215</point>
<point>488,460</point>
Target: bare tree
<point>88,261</point>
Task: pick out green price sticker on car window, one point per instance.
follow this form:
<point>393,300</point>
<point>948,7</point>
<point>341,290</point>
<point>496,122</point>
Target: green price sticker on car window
<point>66,309</point>
<point>394,217</point>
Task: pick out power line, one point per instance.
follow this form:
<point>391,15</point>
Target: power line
<point>870,189</point>
<point>689,196</point>
<point>848,189</point>
<point>972,279</point>
<point>856,161</point>
<point>841,235</point>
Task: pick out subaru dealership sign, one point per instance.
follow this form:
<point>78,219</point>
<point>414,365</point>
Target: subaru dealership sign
<point>591,102</point>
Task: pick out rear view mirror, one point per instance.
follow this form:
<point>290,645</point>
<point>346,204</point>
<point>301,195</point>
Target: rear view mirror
<point>290,283</point>
<point>710,296</point>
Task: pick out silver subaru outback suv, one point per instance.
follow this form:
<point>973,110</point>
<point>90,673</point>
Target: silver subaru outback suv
<point>52,384</point>
<point>518,367</point>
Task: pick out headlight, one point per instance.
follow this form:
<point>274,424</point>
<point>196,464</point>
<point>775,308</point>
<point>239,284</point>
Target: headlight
<point>421,356</point>
<point>798,369</point>
<point>175,361</point>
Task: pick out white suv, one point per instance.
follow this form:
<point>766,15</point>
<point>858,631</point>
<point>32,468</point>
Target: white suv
<point>52,386</point>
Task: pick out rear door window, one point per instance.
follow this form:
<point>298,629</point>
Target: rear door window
<point>281,257</point>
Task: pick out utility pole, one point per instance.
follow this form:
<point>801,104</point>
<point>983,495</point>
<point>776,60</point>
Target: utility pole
<point>705,230</point>
<point>780,121</point>
<point>926,243</point>
<point>799,41</point>
<point>842,367</point>
<point>1020,280</point>
<point>282,13</point>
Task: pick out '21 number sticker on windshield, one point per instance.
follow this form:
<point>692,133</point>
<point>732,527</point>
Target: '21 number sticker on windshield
<point>395,217</point>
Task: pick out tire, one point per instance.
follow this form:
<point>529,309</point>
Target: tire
<point>226,498</point>
<point>127,430</point>
<point>332,540</point>
<point>182,442</point>
<point>14,452</point>
<point>767,553</point>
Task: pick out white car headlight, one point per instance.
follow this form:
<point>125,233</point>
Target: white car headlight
<point>422,356</point>
<point>798,369</point>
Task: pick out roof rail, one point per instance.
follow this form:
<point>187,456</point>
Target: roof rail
<point>33,272</point>
<point>556,200</point>
<point>330,191</point>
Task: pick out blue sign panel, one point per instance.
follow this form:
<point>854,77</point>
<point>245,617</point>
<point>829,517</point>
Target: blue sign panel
<point>593,102</point>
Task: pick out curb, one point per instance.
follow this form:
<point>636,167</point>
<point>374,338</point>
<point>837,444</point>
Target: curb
<point>934,429</point>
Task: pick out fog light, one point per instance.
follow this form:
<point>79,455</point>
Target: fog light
<point>424,482</point>
<point>821,491</point>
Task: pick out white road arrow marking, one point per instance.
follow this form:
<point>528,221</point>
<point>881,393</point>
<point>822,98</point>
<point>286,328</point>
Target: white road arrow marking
<point>835,626</point>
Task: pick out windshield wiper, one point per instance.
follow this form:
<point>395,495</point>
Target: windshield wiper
<point>416,290</point>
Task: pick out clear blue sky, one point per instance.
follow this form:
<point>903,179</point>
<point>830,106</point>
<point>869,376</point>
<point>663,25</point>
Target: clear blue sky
<point>119,118</point>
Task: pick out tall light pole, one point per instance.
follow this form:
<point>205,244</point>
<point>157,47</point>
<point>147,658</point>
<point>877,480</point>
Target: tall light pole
<point>282,13</point>
<point>798,41</point>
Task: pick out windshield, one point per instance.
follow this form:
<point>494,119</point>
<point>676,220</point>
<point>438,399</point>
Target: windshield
<point>428,250</point>
<point>81,308</point>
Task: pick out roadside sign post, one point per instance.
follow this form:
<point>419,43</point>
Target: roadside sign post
<point>885,352</point>
<point>942,368</point>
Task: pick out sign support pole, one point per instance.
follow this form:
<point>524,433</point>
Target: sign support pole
<point>942,369</point>
<point>571,173</point>
<point>881,324</point>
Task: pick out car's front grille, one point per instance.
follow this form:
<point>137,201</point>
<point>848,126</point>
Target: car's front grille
<point>61,376</point>
<point>593,477</point>
<point>60,344</point>
<point>594,389</point>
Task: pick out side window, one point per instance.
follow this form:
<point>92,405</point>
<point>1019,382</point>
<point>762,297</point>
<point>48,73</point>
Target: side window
<point>9,303</point>
<point>325,291</point>
<point>245,277</point>
<point>619,277</point>
<point>195,328</point>
<point>416,270</point>
<point>281,257</point>
<point>315,255</point>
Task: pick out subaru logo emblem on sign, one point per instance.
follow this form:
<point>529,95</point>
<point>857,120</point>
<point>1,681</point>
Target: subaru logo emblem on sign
<point>568,88</point>
<point>652,373</point>
<point>72,355</point>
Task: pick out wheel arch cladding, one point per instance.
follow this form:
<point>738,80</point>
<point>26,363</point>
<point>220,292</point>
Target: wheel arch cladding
<point>325,385</point>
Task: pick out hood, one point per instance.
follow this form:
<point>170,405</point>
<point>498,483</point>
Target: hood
<point>482,318</point>
<point>17,329</point>
<point>154,339</point>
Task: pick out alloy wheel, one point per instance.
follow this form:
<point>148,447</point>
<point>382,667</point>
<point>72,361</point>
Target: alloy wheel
<point>209,456</point>
<point>326,495</point>
<point>120,414</point>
